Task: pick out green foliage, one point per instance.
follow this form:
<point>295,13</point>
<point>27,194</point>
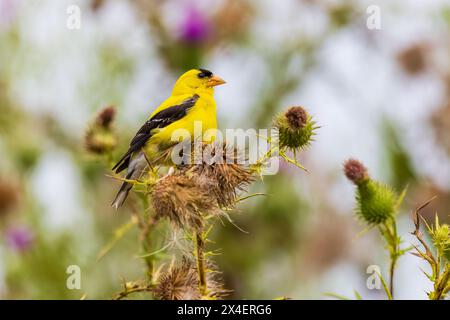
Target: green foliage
<point>438,262</point>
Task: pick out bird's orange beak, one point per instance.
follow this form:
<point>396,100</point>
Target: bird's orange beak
<point>215,81</point>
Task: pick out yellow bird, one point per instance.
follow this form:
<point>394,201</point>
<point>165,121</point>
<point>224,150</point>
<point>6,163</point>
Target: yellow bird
<point>192,100</point>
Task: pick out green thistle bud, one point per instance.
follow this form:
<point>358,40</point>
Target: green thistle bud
<point>100,138</point>
<point>375,202</point>
<point>441,236</point>
<point>296,128</point>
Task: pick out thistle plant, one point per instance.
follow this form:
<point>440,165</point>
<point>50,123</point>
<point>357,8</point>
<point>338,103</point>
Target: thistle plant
<point>296,131</point>
<point>100,138</point>
<point>296,128</point>
<point>192,196</point>
<point>377,205</point>
<point>438,261</point>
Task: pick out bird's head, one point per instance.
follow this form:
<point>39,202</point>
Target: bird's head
<point>197,81</point>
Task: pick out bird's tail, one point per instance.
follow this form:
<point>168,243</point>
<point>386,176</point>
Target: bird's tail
<point>121,195</point>
<point>135,169</point>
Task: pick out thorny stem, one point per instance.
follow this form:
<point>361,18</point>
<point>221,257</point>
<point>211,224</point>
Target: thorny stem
<point>128,291</point>
<point>146,246</point>
<point>389,232</point>
<point>441,281</point>
<point>199,254</point>
<point>145,224</point>
<point>282,153</point>
<point>394,257</point>
<point>391,273</point>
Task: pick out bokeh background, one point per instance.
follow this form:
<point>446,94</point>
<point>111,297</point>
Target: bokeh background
<point>381,96</point>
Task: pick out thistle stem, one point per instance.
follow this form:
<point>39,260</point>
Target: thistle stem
<point>123,294</point>
<point>145,224</point>
<point>199,254</point>
<point>391,274</point>
<point>146,246</point>
<point>389,232</point>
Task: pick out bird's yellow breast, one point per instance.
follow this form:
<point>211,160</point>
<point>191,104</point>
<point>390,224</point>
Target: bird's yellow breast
<point>199,120</point>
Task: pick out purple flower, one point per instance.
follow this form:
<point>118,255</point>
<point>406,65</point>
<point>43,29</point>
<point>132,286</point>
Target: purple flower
<point>195,26</point>
<point>19,238</point>
<point>8,12</point>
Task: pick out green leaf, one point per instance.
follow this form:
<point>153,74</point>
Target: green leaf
<point>335,295</point>
<point>385,286</point>
<point>357,295</point>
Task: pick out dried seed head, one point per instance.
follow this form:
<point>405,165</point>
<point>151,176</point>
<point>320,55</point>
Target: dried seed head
<point>183,201</point>
<point>225,177</point>
<point>224,181</point>
<point>214,283</point>
<point>106,117</point>
<point>296,128</point>
<point>355,171</point>
<point>180,283</point>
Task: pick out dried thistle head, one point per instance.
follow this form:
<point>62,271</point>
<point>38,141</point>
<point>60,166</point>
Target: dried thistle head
<point>355,171</point>
<point>99,138</point>
<point>183,201</point>
<point>182,283</point>
<point>225,177</point>
<point>214,282</point>
<point>179,283</point>
<point>296,128</point>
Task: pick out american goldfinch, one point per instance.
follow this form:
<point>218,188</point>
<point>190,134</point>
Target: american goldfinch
<point>192,100</point>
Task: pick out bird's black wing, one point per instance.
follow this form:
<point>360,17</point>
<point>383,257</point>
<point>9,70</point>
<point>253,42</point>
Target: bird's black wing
<point>159,120</point>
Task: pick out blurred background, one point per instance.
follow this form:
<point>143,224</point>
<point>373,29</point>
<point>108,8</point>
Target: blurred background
<point>381,96</point>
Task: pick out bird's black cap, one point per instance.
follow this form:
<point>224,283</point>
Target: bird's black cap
<point>204,73</point>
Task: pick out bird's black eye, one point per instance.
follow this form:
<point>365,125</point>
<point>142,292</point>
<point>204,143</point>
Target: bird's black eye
<point>204,74</point>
